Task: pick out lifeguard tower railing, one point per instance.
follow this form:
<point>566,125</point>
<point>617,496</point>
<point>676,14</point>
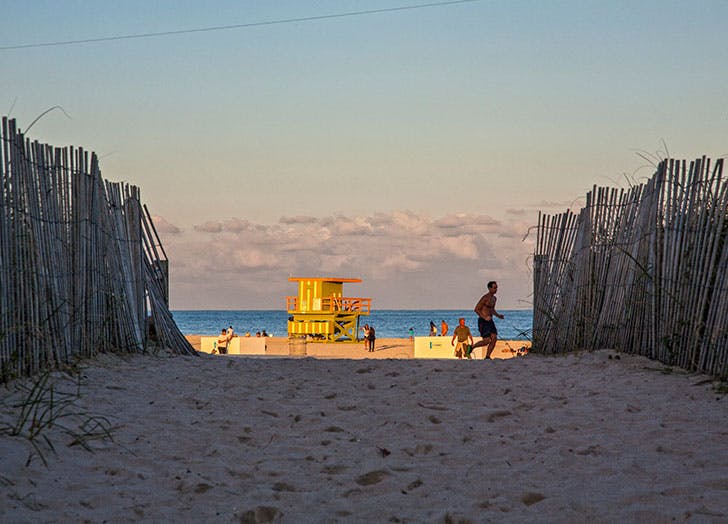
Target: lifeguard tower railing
<point>362,306</point>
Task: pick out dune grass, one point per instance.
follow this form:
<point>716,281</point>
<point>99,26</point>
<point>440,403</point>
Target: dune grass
<point>42,410</point>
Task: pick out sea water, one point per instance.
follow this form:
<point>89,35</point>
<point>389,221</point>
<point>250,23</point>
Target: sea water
<point>389,323</point>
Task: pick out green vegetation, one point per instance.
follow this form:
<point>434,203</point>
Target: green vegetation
<point>721,387</point>
<point>37,409</point>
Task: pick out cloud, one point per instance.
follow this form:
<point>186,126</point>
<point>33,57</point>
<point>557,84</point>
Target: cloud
<point>236,225</point>
<point>351,226</point>
<point>464,246</point>
<point>453,221</point>
<point>403,257</point>
<point>560,206</point>
<point>252,258</point>
<point>298,220</point>
<point>400,262</point>
<point>209,227</point>
<point>486,221</point>
<point>401,222</point>
<point>164,227</point>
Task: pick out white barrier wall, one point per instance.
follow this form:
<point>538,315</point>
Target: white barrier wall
<point>439,347</point>
<point>237,346</point>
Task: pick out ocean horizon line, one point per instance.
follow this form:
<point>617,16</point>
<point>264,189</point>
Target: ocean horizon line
<point>389,323</point>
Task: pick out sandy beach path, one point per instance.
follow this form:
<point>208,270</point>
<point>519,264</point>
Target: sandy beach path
<point>230,439</point>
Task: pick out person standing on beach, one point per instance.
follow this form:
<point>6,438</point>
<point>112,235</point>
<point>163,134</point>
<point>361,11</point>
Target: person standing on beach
<point>433,329</point>
<point>222,342</point>
<point>443,328</point>
<point>230,333</point>
<point>365,329</point>
<point>485,309</point>
<point>371,337</point>
<point>462,333</point>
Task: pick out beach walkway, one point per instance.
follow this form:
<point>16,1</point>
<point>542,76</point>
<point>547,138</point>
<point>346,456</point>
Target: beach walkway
<point>578,438</point>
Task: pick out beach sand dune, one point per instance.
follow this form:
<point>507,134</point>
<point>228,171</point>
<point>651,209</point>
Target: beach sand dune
<point>231,439</point>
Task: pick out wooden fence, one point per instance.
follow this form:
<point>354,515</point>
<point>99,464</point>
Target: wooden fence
<point>643,270</point>
<point>82,270</point>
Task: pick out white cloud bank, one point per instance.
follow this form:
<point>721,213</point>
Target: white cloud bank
<point>405,260</point>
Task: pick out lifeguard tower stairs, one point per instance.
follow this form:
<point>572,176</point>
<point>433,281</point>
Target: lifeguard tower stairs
<point>321,311</point>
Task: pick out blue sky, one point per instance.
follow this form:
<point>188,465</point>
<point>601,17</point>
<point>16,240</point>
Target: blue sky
<point>412,149</point>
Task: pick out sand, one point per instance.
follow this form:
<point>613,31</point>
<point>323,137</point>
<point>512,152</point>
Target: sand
<point>586,437</point>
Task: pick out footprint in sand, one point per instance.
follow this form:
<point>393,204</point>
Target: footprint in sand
<point>495,415</point>
<point>283,486</point>
<point>531,498</point>
<point>334,470</point>
<point>260,515</point>
<point>373,477</point>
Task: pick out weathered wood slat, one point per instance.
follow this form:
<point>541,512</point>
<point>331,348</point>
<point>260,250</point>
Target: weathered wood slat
<point>74,260</point>
<point>643,270</point>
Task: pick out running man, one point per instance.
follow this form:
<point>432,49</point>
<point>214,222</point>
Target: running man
<point>485,309</point>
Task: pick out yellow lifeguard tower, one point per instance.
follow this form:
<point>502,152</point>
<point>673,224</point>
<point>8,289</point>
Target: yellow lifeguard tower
<point>321,311</point>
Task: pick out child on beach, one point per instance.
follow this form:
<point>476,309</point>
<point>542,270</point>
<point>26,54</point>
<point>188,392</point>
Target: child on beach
<point>463,335</point>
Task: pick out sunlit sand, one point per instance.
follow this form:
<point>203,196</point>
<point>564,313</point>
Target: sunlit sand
<point>594,436</point>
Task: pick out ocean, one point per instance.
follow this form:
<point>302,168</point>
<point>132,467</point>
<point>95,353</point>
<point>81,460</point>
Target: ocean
<point>389,323</point>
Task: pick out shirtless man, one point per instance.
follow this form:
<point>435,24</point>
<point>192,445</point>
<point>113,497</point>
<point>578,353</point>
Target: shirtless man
<point>485,309</point>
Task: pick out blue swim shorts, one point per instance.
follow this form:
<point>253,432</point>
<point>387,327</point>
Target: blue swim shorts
<point>486,327</point>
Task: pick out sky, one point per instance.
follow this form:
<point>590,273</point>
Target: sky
<point>411,148</point>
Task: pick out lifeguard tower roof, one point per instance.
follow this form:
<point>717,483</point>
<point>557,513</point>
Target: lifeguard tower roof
<point>323,279</point>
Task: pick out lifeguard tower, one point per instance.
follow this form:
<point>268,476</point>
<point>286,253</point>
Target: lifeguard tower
<point>321,311</point>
